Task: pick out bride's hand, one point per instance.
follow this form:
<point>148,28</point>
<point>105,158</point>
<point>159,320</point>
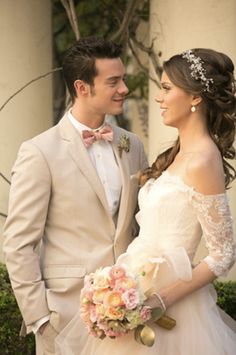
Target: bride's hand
<point>155,301</point>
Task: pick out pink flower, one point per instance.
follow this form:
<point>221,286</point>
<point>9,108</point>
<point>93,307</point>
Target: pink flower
<point>115,313</point>
<point>131,298</point>
<point>85,314</point>
<point>93,314</point>
<point>100,310</point>
<point>86,296</point>
<point>88,280</point>
<point>116,272</point>
<point>113,334</point>
<point>110,302</point>
<point>125,283</point>
<point>145,313</point>
<point>99,295</point>
<point>100,281</point>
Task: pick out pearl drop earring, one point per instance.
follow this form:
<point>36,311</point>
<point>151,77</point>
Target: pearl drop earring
<point>193,109</point>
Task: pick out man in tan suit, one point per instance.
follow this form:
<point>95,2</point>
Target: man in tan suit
<point>73,194</point>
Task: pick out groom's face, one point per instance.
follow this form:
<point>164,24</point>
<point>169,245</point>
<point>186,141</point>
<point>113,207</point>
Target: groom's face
<point>108,92</point>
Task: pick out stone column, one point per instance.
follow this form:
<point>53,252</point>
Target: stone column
<point>26,53</point>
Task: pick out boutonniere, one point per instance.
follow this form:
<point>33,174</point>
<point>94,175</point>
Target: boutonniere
<point>124,144</point>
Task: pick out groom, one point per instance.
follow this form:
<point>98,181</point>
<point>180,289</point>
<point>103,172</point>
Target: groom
<point>73,194</point>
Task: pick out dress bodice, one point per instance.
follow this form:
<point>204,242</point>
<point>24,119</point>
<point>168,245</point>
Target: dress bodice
<point>166,215</point>
<point>172,214</point>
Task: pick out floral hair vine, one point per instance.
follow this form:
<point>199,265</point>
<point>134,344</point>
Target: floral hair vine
<point>197,69</point>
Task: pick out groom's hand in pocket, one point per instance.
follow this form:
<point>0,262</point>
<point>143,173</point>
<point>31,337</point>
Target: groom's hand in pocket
<point>42,328</point>
<point>48,335</point>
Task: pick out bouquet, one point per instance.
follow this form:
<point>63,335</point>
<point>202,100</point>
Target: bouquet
<point>112,302</point>
<point>112,305</point>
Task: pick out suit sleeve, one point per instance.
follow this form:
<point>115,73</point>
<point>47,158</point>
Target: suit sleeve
<point>24,230</point>
<point>143,158</point>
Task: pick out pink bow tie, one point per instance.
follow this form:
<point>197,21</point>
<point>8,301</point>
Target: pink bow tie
<point>89,137</point>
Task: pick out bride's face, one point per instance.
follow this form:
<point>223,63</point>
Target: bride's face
<point>175,103</point>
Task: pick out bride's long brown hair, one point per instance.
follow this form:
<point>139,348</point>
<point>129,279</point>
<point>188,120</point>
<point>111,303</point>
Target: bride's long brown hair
<point>219,104</point>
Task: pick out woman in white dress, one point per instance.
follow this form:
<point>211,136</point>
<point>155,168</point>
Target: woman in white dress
<point>182,198</point>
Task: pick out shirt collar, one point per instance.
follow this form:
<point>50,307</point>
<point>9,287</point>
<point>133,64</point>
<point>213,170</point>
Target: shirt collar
<point>78,125</point>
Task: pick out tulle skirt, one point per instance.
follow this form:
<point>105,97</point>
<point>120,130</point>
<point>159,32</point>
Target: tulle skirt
<point>201,327</point>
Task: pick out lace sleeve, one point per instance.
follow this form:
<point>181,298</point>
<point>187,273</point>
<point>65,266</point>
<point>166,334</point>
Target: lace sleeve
<point>214,215</point>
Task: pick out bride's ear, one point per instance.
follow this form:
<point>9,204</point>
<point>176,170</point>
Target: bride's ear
<point>196,100</point>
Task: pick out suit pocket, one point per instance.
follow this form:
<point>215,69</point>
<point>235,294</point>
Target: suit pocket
<point>63,271</point>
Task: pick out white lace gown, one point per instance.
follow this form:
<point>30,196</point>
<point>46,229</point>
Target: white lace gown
<point>172,219</point>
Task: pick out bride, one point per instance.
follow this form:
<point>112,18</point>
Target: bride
<point>182,198</point>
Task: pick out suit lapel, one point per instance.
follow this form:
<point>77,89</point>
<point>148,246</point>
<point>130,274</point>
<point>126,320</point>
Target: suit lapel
<point>80,156</point>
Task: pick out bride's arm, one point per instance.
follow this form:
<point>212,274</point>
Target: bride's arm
<point>213,212</point>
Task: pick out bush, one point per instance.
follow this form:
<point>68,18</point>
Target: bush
<point>10,321</point>
<point>226,296</point>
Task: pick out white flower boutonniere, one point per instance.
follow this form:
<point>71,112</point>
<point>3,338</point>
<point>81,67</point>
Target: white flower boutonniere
<point>124,144</point>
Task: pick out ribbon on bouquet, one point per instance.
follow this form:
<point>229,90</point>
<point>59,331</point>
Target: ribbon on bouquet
<point>144,334</point>
<point>178,267</point>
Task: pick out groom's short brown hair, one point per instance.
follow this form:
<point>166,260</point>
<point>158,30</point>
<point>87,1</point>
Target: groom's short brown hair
<point>79,60</point>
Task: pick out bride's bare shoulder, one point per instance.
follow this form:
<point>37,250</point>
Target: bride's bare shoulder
<point>205,171</point>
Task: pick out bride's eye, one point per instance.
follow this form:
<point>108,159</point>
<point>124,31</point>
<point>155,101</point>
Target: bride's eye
<point>166,88</point>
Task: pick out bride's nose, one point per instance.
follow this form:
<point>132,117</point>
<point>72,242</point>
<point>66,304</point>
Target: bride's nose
<point>159,98</point>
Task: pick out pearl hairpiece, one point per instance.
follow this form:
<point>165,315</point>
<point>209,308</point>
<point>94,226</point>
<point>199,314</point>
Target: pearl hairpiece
<point>197,69</point>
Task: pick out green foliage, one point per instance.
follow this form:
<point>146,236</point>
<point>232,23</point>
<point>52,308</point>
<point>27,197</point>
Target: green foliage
<point>100,18</point>
<point>226,292</point>
<point>10,321</point>
<point>138,85</point>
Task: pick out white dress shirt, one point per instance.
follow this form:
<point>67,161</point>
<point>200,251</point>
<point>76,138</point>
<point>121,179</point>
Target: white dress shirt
<point>104,161</point>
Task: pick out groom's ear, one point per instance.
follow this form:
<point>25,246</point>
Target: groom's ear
<point>81,88</point>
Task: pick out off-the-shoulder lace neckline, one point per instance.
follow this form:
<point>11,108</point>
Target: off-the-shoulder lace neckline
<point>180,180</point>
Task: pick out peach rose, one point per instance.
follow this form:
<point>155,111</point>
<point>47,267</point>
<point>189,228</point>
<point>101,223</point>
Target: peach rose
<point>99,295</point>
<point>113,299</point>
<point>100,281</point>
<point>114,313</point>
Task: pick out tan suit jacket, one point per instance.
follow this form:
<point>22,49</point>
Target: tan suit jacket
<point>58,226</point>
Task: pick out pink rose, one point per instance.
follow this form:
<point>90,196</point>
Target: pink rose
<point>116,272</point>
<point>145,313</point>
<point>130,298</point>
<point>125,283</point>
